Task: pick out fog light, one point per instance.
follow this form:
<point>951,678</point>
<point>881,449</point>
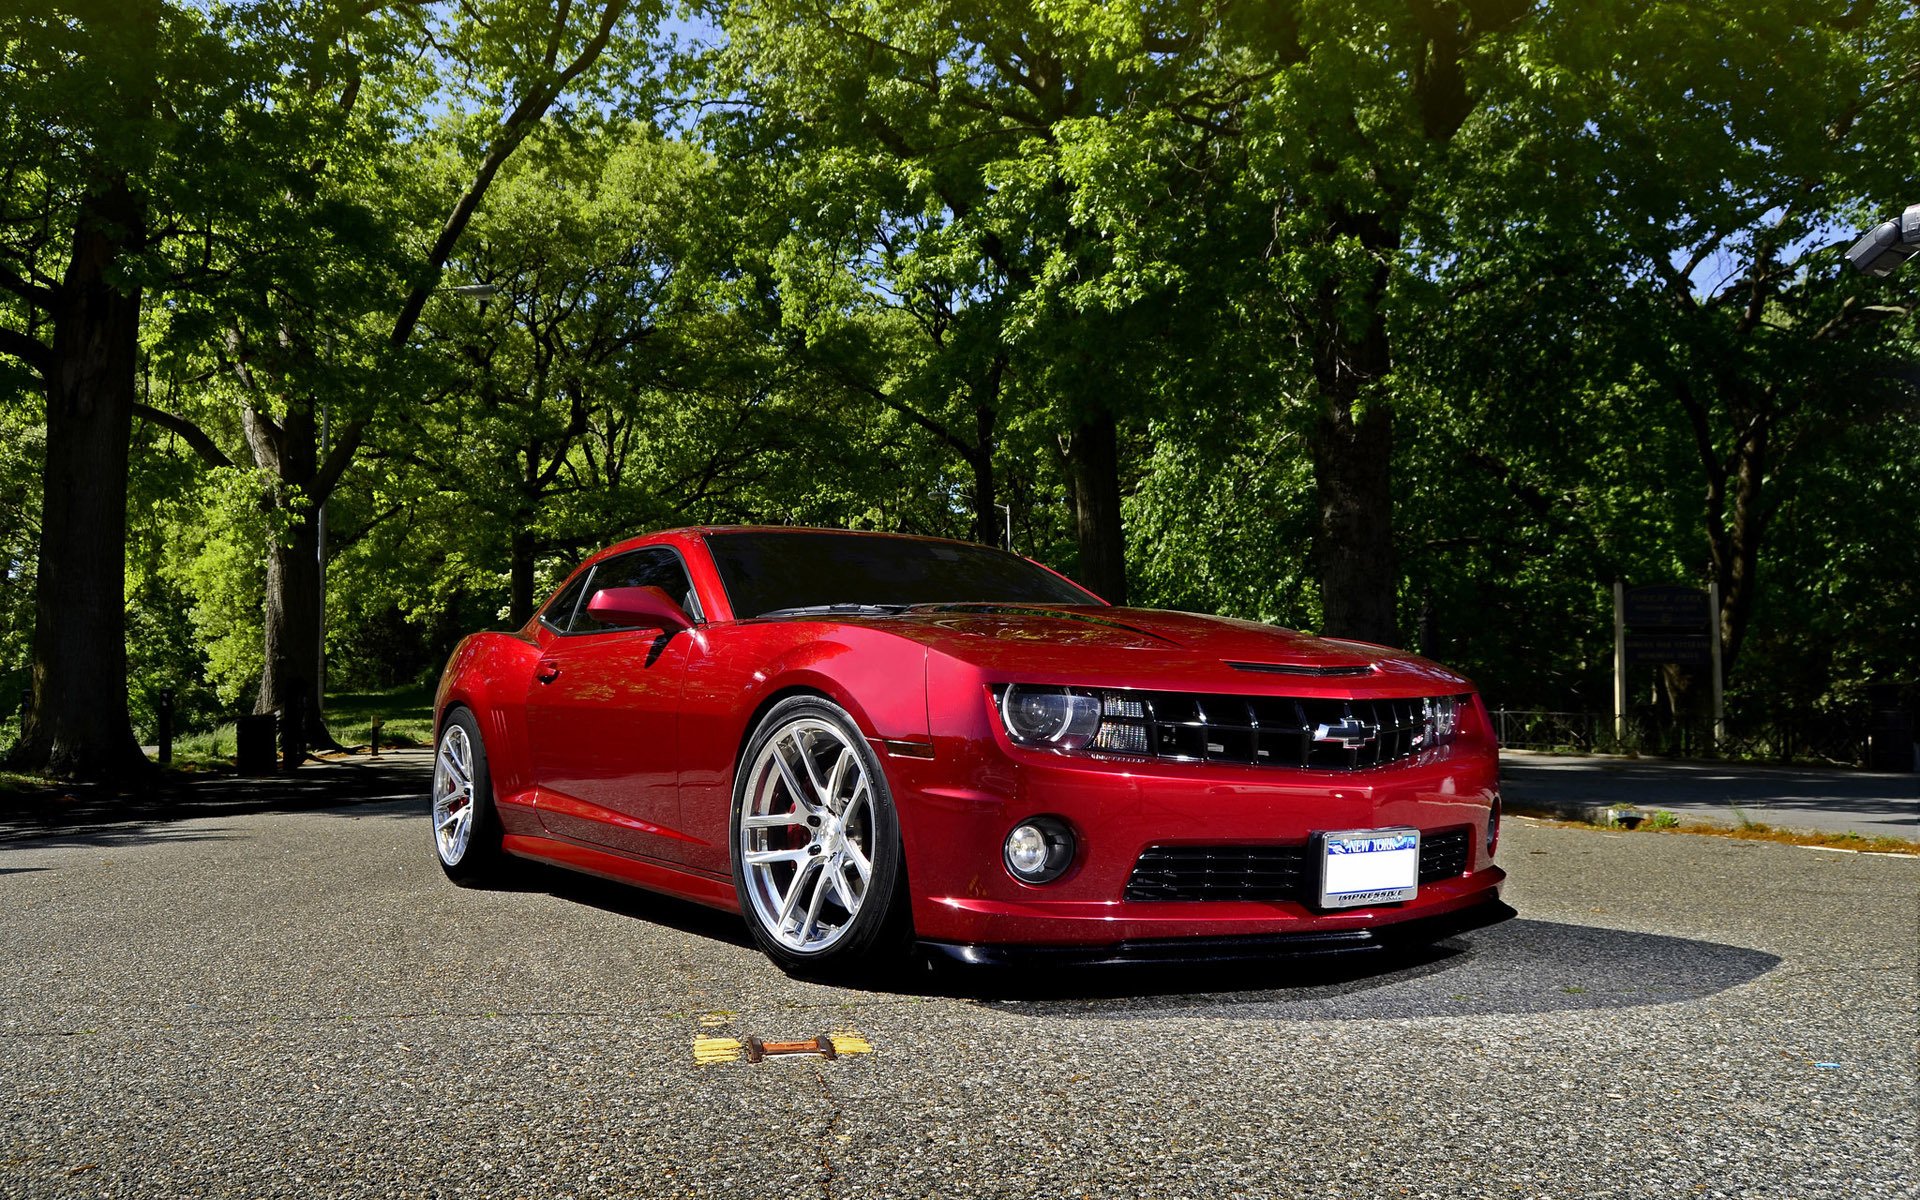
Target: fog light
<point>1493,826</point>
<point>1039,850</point>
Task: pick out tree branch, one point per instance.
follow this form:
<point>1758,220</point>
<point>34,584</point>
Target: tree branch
<point>28,350</point>
<point>520,122</point>
<point>190,433</point>
<point>38,295</point>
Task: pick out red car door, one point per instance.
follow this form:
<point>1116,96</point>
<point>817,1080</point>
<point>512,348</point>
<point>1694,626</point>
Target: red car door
<point>603,714</point>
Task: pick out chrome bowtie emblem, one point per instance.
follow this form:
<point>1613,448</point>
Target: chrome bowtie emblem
<point>1351,733</point>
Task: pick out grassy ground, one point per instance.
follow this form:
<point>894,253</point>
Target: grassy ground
<point>406,715</point>
<point>1746,830</point>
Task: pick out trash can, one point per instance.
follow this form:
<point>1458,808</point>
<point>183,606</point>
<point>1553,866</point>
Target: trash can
<point>253,750</point>
<point>1890,730</point>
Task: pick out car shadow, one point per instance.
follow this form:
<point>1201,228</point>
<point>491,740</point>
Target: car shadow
<point>625,900</point>
<point>1521,967</point>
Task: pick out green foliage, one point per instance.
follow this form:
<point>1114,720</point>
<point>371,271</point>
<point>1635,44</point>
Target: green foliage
<point>894,256</point>
<point>22,445</point>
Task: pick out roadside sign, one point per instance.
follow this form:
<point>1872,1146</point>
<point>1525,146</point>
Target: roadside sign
<point>1664,624</point>
<point>1665,606</point>
<point>1684,648</point>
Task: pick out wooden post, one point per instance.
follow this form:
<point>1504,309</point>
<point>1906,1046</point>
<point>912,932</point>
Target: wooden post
<point>1620,662</point>
<point>164,718</point>
<point>1719,684</point>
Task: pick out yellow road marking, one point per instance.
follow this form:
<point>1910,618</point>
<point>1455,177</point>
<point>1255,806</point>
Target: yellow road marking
<point>850,1041</point>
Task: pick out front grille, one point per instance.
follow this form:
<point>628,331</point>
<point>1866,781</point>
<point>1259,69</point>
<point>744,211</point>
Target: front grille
<point>1443,854</point>
<point>1266,873</point>
<point>1219,873</point>
<point>1278,731</point>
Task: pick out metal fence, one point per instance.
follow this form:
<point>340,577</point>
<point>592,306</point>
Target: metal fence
<point>1831,739</point>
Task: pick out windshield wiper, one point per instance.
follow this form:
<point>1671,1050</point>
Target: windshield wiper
<point>810,610</point>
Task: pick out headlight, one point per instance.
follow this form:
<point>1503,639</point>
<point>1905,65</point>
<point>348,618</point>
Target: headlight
<point>1052,717</point>
<point>1440,721</point>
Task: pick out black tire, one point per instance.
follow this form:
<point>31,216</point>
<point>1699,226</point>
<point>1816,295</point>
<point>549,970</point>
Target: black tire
<point>460,765</point>
<point>858,823</point>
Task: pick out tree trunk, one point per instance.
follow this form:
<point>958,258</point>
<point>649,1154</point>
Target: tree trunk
<point>1736,555</point>
<point>987,526</point>
<point>78,726</point>
<point>1093,465</point>
<point>1353,456</point>
<point>1352,467</point>
<point>520,603</point>
<point>291,682</point>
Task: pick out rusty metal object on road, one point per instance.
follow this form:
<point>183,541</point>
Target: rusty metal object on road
<point>758,1049</point>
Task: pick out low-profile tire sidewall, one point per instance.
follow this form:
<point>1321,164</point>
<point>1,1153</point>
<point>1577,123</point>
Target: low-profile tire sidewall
<point>877,930</point>
<point>481,862</point>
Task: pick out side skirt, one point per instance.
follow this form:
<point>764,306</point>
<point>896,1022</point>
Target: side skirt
<point>655,877</point>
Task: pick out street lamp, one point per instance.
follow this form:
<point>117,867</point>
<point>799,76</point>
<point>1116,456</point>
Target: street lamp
<point>1882,249</point>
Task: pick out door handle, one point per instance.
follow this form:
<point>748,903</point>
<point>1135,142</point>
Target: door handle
<point>547,671</point>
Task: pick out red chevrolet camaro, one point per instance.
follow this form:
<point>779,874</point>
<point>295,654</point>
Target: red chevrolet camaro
<point>860,740</point>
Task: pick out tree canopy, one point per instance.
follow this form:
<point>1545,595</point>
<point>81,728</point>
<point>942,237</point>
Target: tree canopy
<point>330,332</point>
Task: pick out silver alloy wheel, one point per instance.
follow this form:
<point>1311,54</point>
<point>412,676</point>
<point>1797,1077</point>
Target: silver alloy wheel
<point>453,795</point>
<point>806,835</point>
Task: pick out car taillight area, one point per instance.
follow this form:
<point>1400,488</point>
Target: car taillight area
<point>1301,732</point>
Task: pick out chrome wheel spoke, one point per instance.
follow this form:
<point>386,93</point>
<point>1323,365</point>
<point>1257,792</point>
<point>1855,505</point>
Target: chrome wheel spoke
<point>857,859</point>
<point>792,898</point>
<point>773,820</point>
<point>836,776</point>
<point>847,896</point>
<point>802,799</point>
<point>812,920</point>
<point>823,796</point>
<point>761,858</point>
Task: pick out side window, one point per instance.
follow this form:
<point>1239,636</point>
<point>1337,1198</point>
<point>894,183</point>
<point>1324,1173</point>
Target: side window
<point>655,566</point>
<point>559,613</point>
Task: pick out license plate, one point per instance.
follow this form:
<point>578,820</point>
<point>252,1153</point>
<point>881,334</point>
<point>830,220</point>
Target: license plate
<point>1369,866</point>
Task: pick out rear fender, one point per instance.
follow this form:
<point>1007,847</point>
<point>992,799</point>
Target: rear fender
<point>489,674</point>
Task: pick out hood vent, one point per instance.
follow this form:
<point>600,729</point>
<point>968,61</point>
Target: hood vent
<point>1300,669</point>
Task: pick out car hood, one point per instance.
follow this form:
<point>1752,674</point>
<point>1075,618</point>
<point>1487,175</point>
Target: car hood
<point>1142,647</point>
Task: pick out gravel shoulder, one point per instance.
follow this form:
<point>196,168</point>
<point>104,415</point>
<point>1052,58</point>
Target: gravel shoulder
<point>291,1003</point>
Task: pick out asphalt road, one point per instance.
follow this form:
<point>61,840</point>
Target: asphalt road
<point>1825,801</point>
<point>297,1003</point>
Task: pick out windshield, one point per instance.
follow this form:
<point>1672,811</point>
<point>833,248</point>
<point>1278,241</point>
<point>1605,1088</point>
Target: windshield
<point>772,571</point>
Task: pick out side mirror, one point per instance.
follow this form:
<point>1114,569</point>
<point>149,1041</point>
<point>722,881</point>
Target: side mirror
<point>1882,249</point>
<point>638,608</point>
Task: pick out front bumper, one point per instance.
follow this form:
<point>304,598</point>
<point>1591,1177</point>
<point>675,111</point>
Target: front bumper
<point>1419,931</point>
<point>957,808</point>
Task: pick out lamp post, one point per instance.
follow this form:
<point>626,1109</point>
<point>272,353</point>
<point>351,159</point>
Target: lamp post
<point>1882,249</point>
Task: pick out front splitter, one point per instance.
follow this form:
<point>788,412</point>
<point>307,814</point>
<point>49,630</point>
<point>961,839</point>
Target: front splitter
<point>1264,948</point>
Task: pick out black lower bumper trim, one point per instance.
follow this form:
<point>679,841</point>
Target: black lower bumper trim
<point>1264,948</point>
